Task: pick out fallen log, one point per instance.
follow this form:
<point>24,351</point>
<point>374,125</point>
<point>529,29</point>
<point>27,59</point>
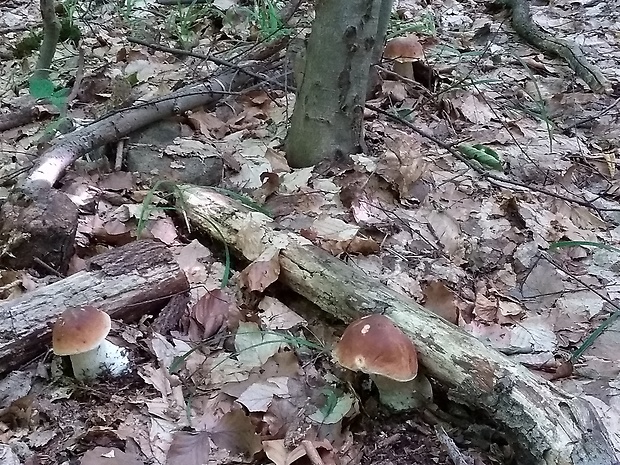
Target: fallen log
<point>127,282</point>
<point>548,426</point>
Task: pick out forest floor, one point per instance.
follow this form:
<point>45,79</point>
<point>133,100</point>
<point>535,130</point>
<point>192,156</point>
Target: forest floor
<point>525,260</point>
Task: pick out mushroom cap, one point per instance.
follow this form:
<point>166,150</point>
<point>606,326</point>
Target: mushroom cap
<point>376,346</point>
<point>404,49</point>
<point>79,330</point>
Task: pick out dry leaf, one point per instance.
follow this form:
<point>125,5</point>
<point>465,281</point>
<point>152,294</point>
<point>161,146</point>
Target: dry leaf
<point>163,229</point>
<point>189,449</point>
<point>235,432</point>
<point>441,300</point>
<point>209,315</point>
<point>258,396</point>
<point>275,315</point>
<point>263,271</point>
<point>118,181</point>
<point>485,308</point>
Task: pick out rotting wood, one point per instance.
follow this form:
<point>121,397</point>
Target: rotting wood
<point>126,282</point>
<point>549,426</point>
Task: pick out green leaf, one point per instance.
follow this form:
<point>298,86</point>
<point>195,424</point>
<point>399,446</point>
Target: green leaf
<point>483,155</point>
<point>132,79</point>
<point>334,411</point>
<point>41,88</point>
<point>255,346</point>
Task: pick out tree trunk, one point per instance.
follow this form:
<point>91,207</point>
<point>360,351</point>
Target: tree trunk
<point>384,20</point>
<point>329,109</point>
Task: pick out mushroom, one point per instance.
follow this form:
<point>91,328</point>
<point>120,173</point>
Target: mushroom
<point>403,51</point>
<point>376,346</point>
<point>81,333</point>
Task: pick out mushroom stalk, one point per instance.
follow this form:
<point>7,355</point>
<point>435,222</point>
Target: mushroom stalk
<point>404,396</point>
<point>403,68</point>
<point>106,358</point>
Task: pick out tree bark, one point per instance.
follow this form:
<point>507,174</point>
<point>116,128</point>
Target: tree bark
<point>329,108</point>
<point>384,20</point>
<point>548,426</point>
<point>51,31</point>
<point>126,282</point>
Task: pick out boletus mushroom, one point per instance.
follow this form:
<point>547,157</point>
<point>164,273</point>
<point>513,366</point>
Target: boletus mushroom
<point>376,346</point>
<point>81,333</point>
<point>402,52</point>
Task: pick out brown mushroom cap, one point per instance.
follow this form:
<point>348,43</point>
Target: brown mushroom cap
<point>79,330</point>
<point>404,49</point>
<point>376,346</point>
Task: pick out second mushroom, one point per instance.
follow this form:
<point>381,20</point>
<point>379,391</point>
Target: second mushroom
<point>374,345</point>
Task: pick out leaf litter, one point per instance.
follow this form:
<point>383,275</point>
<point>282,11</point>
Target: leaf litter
<point>243,374</point>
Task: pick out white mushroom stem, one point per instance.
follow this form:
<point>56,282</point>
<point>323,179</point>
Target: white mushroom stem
<point>104,359</point>
<point>403,68</point>
<point>404,396</point>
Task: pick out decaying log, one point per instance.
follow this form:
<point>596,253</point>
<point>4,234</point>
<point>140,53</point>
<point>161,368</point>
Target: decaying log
<point>126,282</point>
<point>549,426</point>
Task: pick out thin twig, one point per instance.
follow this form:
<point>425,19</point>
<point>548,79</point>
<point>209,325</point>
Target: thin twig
<point>48,267</point>
<point>456,455</point>
<point>211,58</point>
<point>118,160</point>
<point>312,453</point>
<point>603,112</point>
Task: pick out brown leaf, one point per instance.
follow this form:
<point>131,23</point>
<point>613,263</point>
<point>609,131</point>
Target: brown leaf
<point>564,370</point>
<point>163,229</point>
<point>271,183</point>
<point>363,246</point>
<point>395,90</point>
<point>441,300</point>
<point>265,270</point>
<point>118,181</point>
<point>280,415</point>
<point>276,451</point>
<point>485,308</point>
<point>112,232</point>
<point>189,448</point>
<point>235,432</point>
<point>209,314</point>
<point>277,160</point>
<point>258,97</point>
<point>208,124</point>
